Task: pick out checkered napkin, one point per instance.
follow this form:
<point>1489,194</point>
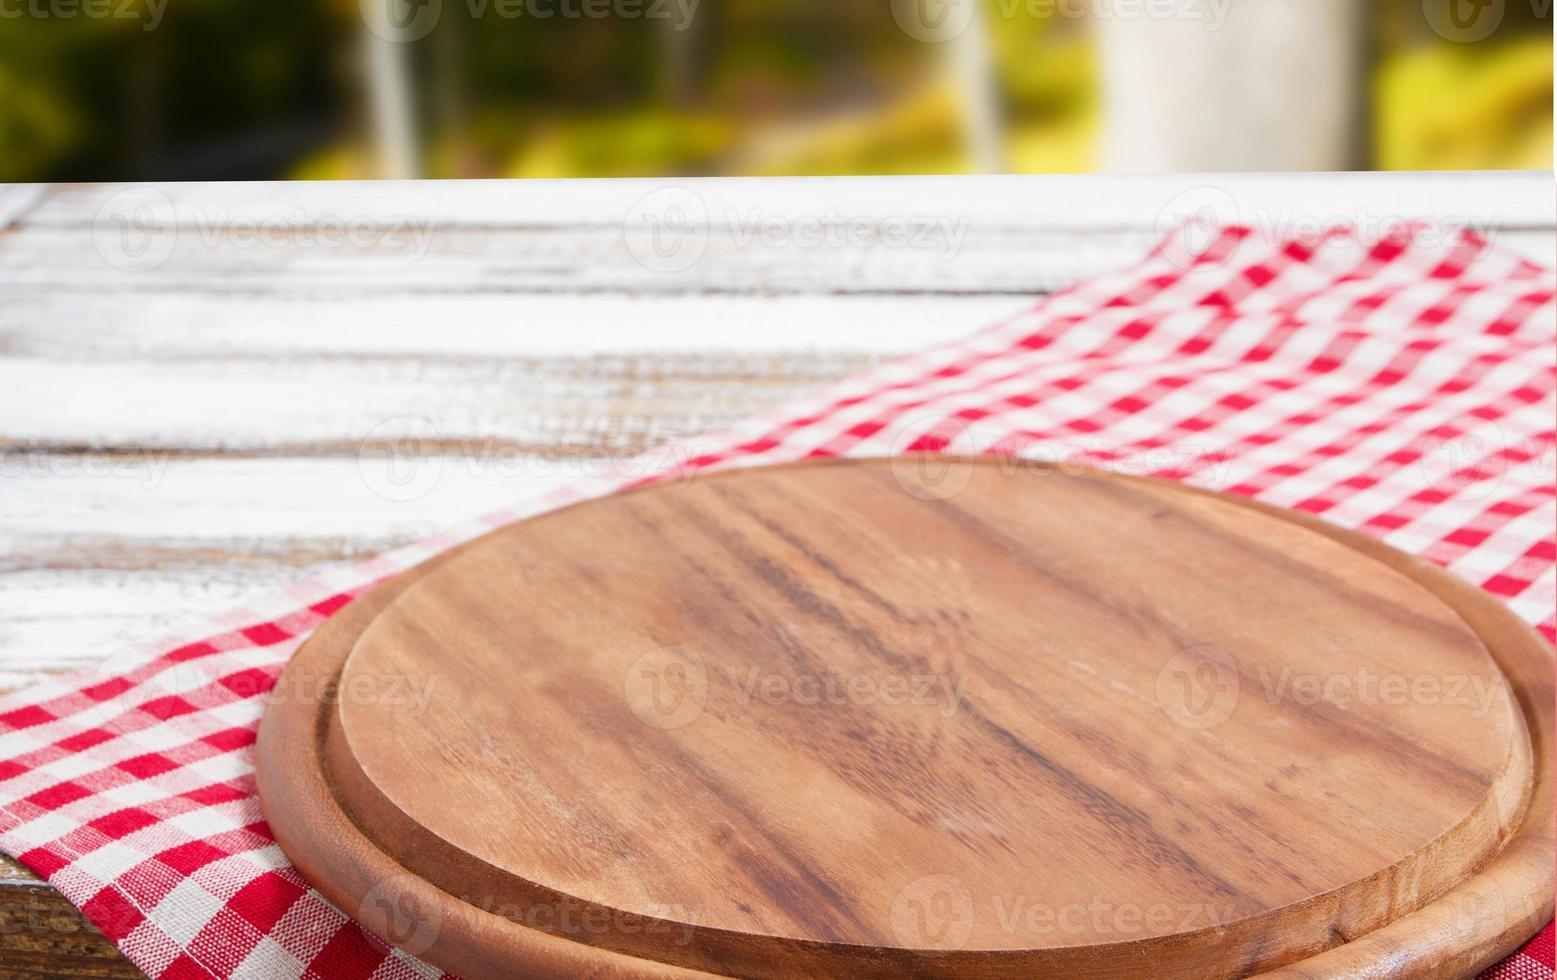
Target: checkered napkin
<point>1401,386</point>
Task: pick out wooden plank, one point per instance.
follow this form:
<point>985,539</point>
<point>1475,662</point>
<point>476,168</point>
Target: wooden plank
<point>92,564</point>
<point>18,199</point>
<point>970,260</point>
<point>174,327</point>
<point>1078,202</point>
<point>965,260</point>
<point>44,937</point>
<point>313,405</point>
<point>1019,235</point>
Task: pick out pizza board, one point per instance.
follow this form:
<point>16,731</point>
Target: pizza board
<point>925,716</point>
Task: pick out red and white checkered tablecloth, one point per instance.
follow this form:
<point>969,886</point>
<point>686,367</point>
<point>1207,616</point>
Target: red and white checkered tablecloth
<point>1401,386</point>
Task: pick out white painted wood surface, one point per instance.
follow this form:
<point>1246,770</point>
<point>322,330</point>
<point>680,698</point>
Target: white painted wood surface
<point>180,436</point>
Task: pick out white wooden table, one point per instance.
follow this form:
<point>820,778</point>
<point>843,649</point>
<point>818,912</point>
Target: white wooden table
<point>188,372</point>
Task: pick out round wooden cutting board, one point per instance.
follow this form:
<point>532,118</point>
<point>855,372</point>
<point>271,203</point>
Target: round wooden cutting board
<point>925,716</point>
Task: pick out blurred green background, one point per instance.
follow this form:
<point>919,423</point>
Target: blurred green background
<point>227,89</point>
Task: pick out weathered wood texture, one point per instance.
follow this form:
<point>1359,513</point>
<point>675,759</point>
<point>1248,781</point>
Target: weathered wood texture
<point>43,937</point>
<point>180,440</point>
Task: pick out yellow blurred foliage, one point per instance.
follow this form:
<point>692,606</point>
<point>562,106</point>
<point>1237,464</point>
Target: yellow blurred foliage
<point>35,125</point>
<point>918,133</point>
<point>342,162</point>
<point>1457,108</point>
<point>1068,146</point>
<point>638,144</point>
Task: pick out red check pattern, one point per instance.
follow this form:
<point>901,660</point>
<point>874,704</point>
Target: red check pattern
<point>1403,386</point>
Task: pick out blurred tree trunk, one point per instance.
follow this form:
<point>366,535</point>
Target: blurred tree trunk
<point>387,38</point>
<point>450,123</point>
<point>1247,85</point>
<point>682,46</point>
<point>973,68</point>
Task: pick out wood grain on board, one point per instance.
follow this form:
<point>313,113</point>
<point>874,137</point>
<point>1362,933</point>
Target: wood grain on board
<point>140,412</point>
<point>870,717</point>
